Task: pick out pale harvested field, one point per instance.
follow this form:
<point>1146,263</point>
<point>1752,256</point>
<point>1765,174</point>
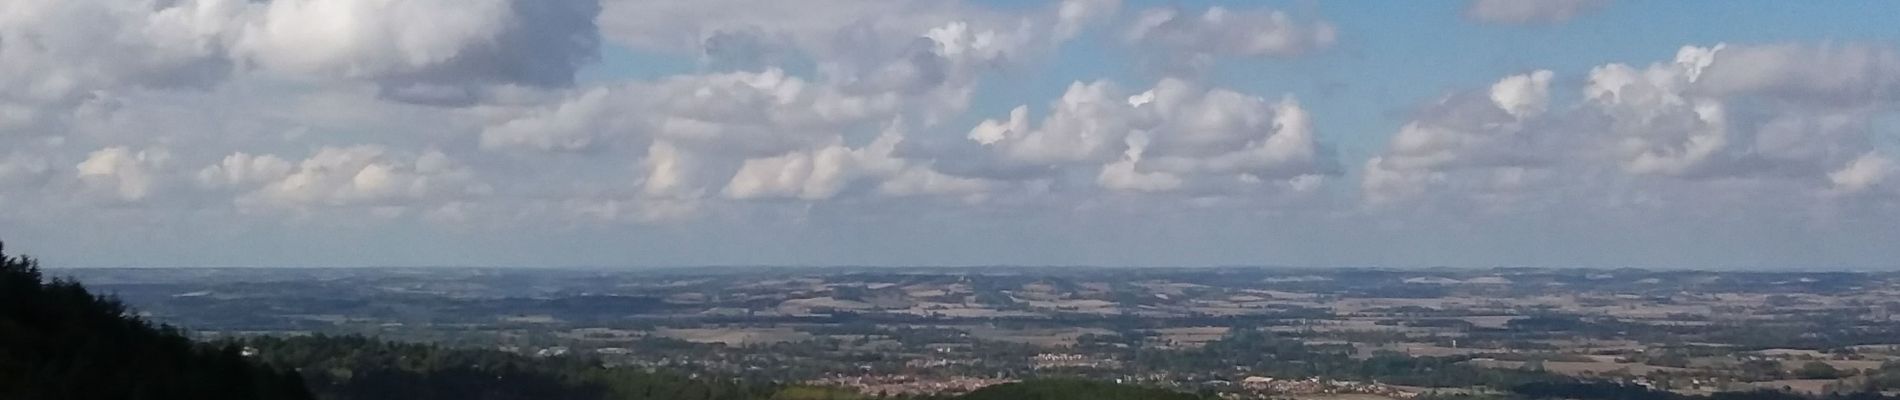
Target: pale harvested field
<point>1194,335</point>
<point>1081,306</point>
<point>961,311</point>
<point>735,336</point>
<point>530,319</point>
<point>1574,368</point>
<point>1339,397</point>
<point>806,305</point>
<point>1838,364</point>
<point>1359,325</point>
<point>597,334</point>
<point>1417,350</point>
<point>1792,353</point>
<point>1282,295</point>
<point>1586,346</point>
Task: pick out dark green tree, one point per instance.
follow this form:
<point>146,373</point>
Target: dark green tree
<point>60,342</point>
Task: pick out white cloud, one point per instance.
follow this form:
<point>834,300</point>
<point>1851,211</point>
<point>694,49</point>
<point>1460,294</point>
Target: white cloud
<point>669,172</point>
<point>1075,16</point>
<point>1176,135</point>
<point>1489,138</point>
<point>124,173</point>
<point>60,55</point>
<point>1863,173</point>
<point>1832,74</point>
<point>463,47</point>
<point>569,126</point>
<point>825,172</point>
<point>364,176</point>
<point>1122,175</point>
<point>363,39</point>
<point>60,51</point>
<point>1526,12</point>
<point>1662,129</point>
<point>912,47</point>
<point>1193,41</point>
<point>749,113</point>
<point>810,175</point>
<point>1084,126</point>
<point>1696,117</point>
<point>243,169</point>
<point>818,27</point>
<point>928,55</point>
<point>743,135</point>
<point>1523,95</point>
<point>1741,122</point>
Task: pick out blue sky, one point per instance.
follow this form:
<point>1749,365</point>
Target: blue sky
<point>1596,133</point>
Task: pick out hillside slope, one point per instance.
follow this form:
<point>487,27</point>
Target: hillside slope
<point>59,341</point>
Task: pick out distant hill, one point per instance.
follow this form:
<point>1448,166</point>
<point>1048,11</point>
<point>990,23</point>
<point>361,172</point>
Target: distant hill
<point>60,342</point>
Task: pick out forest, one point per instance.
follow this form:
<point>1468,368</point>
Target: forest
<point>60,341</point>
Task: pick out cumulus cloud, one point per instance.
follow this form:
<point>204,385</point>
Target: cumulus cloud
<point>1177,135</point>
<point>738,136</point>
<point>1190,41</point>
<point>1523,95</point>
<point>341,177</point>
<point>572,125</point>
<point>464,46</point>
<point>1766,120</point>
<point>746,129</point>
<point>912,46</point>
<point>62,54</point>
<point>1528,12</point>
<point>817,27</point>
<point>1662,129</point>
<point>59,52</point>
<point>1863,173</point>
<point>123,173</point>
<point>1491,136</point>
<point>926,52</point>
<point>1074,16</point>
<point>1837,74</point>
<point>738,113</point>
<point>825,172</point>
<point>1686,119</point>
<point>244,169</point>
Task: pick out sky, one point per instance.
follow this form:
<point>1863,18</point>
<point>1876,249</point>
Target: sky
<point>635,133</point>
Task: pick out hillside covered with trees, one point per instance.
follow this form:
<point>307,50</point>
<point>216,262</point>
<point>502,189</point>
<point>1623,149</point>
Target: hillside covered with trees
<point>59,341</point>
